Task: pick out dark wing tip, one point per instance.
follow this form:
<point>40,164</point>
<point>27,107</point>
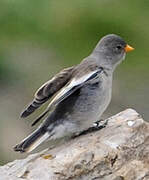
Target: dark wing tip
<point>35,122</point>
<point>24,114</point>
<point>30,109</point>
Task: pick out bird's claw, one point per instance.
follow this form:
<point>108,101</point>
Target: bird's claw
<point>96,126</point>
<point>100,124</point>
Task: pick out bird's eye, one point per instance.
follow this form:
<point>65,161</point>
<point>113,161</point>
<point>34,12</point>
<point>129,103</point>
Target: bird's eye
<point>118,47</point>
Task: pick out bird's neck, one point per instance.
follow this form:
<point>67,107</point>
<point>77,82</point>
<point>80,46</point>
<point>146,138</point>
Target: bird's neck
<point>102,62</point>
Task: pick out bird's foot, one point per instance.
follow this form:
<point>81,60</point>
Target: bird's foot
<point>96,126</point>
<point>101,123</point>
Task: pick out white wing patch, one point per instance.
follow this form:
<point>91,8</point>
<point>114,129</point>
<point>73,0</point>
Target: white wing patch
<point>74,82</point>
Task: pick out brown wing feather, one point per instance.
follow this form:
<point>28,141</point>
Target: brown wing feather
<point>68,89</point>
<point>47,90</point>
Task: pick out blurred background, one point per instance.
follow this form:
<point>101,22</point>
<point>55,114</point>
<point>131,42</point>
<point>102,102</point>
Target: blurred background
<point>39,38</point>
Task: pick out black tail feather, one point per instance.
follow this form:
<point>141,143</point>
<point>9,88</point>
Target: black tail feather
<point>27,144</point>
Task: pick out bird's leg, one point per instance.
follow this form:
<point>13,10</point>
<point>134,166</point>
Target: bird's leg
<point>100,124</point>
<point>96,126</point>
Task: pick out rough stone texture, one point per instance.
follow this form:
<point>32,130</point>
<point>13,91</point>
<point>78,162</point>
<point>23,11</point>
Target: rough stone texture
<point>120,151</point>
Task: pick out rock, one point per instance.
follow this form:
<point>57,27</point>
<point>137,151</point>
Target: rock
<point>120,151</point>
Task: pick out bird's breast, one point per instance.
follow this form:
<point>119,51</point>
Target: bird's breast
<point>93,99</point>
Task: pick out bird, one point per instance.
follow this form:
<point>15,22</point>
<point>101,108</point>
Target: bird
<point>77,95</point>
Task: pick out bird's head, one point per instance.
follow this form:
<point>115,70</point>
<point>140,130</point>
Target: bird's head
<point>112,50</point>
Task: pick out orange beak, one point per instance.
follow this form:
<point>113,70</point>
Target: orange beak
<point>128,48</point>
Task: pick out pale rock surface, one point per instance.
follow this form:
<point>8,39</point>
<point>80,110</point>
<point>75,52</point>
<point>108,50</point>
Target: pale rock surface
<point>120,151</point>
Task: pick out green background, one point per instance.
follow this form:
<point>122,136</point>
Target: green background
<point>39,38</point>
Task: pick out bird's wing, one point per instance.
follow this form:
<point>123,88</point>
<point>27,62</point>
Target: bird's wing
<point>68,89</point>
<point>72,86</point>
<point>47,90</point>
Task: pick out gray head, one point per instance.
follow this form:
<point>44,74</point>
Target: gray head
<point>111,50</point>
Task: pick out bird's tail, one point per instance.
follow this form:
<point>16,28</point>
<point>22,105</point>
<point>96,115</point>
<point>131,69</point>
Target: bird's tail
<point>32,141</point>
